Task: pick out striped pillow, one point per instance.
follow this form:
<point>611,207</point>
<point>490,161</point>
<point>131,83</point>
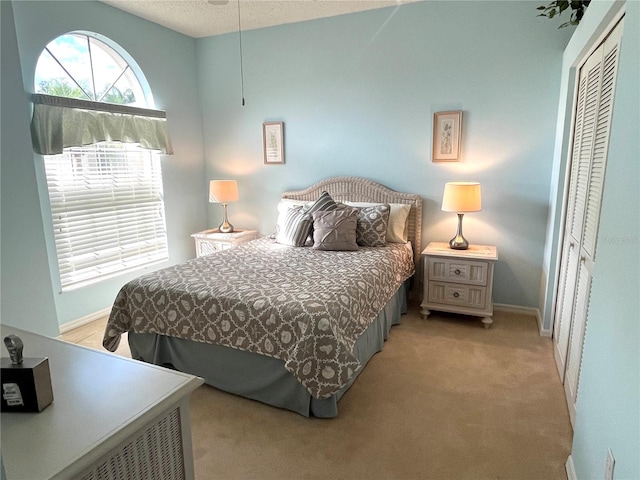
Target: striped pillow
<point>323,203</point>
<point>295,228</point>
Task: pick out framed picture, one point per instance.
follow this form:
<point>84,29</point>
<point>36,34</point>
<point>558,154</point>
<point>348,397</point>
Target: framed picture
<point>273,142</point>
<point>447,135</point>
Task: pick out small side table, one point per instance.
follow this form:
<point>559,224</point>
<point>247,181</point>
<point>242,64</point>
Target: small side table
<point>212,241</point>
<point>459,281</point>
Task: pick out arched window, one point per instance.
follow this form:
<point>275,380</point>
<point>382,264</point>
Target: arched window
<point>102,163</point>
<point>77,65</point>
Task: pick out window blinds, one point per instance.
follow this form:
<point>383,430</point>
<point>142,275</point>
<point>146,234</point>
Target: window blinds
<point>107,209</point>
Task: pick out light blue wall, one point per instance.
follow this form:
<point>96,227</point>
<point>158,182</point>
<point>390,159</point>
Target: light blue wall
<point>608,408</point>
<point>25,282</point>
<point>357,94</point>
<point>168,60</point>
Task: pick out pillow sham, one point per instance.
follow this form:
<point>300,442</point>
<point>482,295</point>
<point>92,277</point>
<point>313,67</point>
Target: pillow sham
<point>295,228</point>
<point>372,226</point>
<point>398,228</point>
<point>335,229</point>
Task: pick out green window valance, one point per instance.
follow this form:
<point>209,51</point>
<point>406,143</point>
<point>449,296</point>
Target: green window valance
<point>60,122</point>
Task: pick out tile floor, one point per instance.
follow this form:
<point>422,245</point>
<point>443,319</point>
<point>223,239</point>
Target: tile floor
<point>90,335</point>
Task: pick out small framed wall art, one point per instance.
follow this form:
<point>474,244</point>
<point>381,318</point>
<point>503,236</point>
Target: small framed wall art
<point>447,136</point>
<point>273,142</point>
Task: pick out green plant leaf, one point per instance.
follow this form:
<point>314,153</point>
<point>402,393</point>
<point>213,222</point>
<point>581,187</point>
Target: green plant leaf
<point>556,7</point>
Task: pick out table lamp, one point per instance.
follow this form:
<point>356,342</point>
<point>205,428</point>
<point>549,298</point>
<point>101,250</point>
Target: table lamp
<point>461,197</point>
<point>223,191</point>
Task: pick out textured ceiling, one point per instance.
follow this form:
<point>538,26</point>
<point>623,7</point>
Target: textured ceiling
<point>203,18</point>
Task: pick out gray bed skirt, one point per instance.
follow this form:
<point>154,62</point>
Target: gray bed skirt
<point>258,377</point>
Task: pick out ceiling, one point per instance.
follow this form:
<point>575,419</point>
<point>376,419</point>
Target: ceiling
<point>204,18</point>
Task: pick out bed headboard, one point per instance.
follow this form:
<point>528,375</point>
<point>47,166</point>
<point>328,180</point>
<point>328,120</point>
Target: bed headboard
<point>358,189</point>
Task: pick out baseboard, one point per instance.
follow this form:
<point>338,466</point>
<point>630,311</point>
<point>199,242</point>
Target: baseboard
<point>66,327</point>
<point>503,307</point>
<point>571,471</point>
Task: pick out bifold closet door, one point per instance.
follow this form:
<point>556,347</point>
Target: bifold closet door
<point>594,102</point>
<point>588,84</point>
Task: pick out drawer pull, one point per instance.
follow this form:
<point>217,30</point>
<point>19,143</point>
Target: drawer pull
<point>457,271</point>
<point>456,294</point>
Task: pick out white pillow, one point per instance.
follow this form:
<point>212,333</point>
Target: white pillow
<point>398,229</point>
<point>285,203</point>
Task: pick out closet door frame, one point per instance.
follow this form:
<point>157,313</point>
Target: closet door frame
<point>564,232</point>
<point>601,32</point>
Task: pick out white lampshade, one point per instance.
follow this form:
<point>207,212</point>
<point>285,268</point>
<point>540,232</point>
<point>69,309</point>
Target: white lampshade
<point>223,191</point>
<point>462,197</point>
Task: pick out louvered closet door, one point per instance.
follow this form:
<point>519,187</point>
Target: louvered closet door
<point>590,145</point>
<point>586,104</point>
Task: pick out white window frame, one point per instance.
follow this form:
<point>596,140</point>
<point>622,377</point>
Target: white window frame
<point>106,198</point>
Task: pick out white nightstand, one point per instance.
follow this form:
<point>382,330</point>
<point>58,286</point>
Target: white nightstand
<point>459,281</point>
<point>212,241</point>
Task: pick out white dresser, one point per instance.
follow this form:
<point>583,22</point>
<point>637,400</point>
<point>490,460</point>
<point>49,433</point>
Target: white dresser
<point>111,418</point>
<point>459,281</point>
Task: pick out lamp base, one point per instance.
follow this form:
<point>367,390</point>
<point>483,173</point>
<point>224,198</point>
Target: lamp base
<point>225,226</point>
<point>459,242</point>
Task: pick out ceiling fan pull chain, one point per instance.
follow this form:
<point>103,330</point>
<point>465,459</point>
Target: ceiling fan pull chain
<point>241,68</point>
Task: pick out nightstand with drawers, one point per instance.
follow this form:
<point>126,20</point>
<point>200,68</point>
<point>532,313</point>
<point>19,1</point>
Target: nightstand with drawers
<point>212,241</point>
<point>459,281</point>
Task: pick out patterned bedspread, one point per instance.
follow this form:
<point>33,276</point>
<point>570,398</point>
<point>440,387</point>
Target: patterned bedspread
<point>303,306</point>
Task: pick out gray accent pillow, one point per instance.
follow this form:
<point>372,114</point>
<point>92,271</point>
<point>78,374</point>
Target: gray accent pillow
<point>295,227</point>
<point>398,229</point>
<point>335,229</point>
<point>372,225</point>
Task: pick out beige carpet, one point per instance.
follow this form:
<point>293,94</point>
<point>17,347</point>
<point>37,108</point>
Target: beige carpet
<point>445,399</point>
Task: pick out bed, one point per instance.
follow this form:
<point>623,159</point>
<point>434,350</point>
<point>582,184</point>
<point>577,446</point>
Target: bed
<point>288,326</point>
